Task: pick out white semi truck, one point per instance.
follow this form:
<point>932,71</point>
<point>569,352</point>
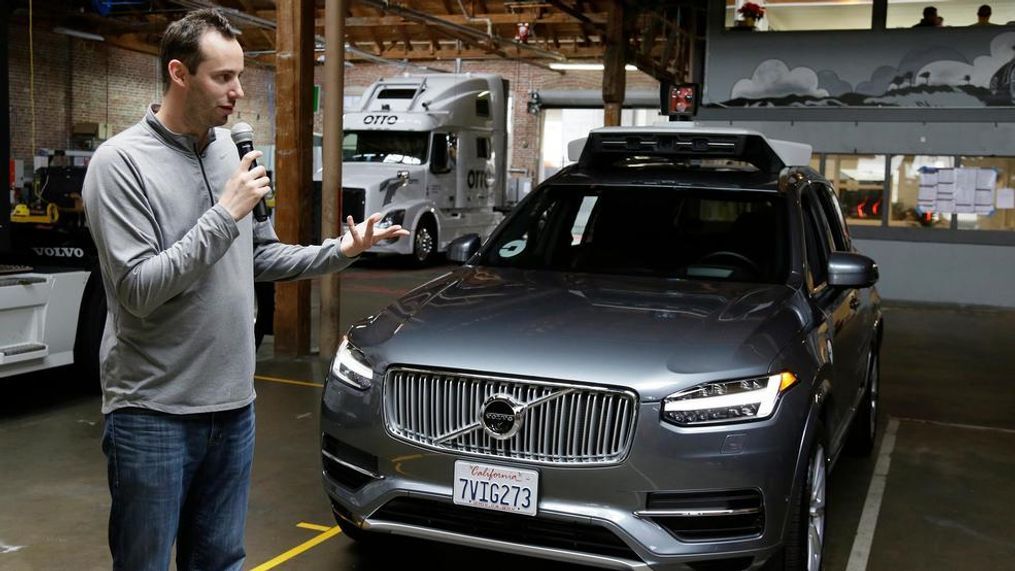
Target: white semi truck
<point>428,152</point>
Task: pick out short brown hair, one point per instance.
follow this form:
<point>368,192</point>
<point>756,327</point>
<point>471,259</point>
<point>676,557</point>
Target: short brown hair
<point>182,39</point>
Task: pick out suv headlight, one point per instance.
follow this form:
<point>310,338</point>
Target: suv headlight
<point>350,366</point>
<point>727,401</point>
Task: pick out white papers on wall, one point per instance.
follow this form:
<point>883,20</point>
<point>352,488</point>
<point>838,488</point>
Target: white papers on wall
<point>965,190</point>
<point>925,200</point>
<point>962,190</point>
<point>945,201</point>
<point>986,180</point>
<point>1005,198</point>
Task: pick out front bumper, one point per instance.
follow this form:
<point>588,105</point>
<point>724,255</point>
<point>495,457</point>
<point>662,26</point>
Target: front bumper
<point>600,516</point>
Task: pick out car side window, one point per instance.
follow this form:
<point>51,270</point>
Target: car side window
<point>833,217</point>
<point>816,234</point>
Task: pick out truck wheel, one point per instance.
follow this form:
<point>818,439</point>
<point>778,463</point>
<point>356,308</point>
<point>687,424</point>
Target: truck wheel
<point>91,324</point>
<point>424,243</point>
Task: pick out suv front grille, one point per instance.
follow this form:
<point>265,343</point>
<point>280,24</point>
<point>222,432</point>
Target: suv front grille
<point>560,423</point>
<point>514,528</point>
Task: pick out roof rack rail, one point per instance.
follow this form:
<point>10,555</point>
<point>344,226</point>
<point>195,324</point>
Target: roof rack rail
<point>606,146</point>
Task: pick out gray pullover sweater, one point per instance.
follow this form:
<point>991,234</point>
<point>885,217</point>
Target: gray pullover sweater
<point>179,272</point>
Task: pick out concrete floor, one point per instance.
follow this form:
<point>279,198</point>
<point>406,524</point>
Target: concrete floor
<point>947,377</point>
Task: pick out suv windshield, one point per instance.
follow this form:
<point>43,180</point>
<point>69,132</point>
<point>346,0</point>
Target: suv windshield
<point>663,231</point>
<point>396,147</point>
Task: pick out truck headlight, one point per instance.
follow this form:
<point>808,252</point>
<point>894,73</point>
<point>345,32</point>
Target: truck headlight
<point>350,367</point>
<point>391,218</point>
<point>727,401</point>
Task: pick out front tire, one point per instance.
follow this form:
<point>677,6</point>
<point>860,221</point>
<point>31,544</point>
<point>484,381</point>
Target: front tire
<point>805,538</point>
<point>424,243</point>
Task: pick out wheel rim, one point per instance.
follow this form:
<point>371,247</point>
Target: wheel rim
<point>874,396</point>
<point>816,509</point>
<point>424,243</point>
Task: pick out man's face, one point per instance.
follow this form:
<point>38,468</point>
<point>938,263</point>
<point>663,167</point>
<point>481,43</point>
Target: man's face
<point>214,87</point>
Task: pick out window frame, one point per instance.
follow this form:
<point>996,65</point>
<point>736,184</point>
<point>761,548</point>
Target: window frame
<point>813,215</point>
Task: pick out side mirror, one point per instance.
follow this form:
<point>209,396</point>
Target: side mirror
<point>846,269</point>
<point>463,248</point>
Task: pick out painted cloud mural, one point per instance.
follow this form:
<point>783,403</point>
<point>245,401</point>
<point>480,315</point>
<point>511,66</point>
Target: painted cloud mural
<point>773,79</point>
<point>929,76</point>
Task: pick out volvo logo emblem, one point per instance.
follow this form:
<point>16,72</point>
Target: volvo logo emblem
<point>501,416</point>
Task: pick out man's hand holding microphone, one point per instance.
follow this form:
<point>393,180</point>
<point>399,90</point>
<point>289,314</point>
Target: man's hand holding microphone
<point>245,191</point>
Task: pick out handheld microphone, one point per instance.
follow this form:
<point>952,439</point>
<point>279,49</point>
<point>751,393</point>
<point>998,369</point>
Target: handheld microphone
<point>243,136</point>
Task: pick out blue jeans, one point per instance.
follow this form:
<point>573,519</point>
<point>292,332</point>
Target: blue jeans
<point>182,477</point>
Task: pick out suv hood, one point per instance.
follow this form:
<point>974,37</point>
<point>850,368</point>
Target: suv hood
<point>652,335</point>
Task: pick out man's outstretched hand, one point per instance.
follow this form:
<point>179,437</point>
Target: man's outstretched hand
<point>361,237</point>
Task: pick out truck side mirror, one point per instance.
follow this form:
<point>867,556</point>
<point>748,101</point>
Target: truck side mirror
<point>463,248</point>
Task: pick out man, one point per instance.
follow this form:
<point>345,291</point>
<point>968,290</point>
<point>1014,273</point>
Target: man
<point>168,203</point>
<point>930,18</point>
<point>983,14</point>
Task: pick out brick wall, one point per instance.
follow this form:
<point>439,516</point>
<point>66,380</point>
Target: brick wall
<point>79,80</point>
<point>52,92</point>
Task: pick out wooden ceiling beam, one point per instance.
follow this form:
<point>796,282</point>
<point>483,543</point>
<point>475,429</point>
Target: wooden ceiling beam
<point>578,14</point>
<point>468,52</point>
<point>269,38</point>
<point>435,44</point>
<point>594,19</point>
<point>406,39</point>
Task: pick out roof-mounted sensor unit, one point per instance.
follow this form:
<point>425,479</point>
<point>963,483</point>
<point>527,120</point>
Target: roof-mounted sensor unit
<point>679,101</point>
<point>605,147</point>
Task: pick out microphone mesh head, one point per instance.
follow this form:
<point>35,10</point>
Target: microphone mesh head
<point>242,133</point>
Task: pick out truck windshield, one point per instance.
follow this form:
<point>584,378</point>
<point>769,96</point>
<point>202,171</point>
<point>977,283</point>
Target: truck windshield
<point>700,234</point>
<point>395,147</point>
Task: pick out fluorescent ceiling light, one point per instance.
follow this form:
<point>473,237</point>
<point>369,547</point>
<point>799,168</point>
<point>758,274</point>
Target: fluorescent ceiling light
<point>79,34</point>
<point>585,67</point>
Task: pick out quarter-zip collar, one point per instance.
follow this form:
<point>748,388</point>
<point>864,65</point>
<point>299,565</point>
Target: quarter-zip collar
<point>179,141</point>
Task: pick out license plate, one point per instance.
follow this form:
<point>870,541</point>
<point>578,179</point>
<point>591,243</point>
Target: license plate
<point>496,487</point>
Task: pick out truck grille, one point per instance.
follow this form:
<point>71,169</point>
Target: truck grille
<point>560,423</point>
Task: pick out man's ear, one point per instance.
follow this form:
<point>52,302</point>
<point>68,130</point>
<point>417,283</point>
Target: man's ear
<point>178,72</point>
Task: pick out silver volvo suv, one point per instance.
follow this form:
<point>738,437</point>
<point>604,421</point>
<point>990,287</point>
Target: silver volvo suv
<point>653,363</point>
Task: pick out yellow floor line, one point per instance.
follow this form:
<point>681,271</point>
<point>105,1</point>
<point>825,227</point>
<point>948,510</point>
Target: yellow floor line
<point>313,526</point>
<point>288,381</point>
<point>331,532</point>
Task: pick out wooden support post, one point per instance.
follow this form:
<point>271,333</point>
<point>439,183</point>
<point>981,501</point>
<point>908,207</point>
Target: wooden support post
<point>614,76</point>
<point>294,84</point>
<point>331,157</point>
